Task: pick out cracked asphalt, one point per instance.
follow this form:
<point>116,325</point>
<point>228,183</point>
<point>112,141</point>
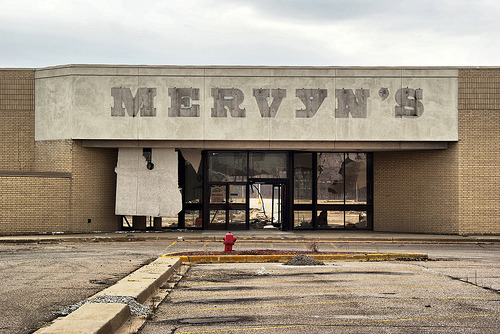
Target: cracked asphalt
<point>347,297</point>
<point>37,279</point>
<point>455,293</point>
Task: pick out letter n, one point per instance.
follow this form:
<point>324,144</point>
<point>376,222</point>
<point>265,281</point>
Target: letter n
<point>350,103</point>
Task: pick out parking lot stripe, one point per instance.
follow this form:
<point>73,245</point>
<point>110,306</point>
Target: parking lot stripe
<point>206,243</point>
<point>454,298</point>
<point>322,290</point>
<point>347,323</point>
<point>334,246</point>
<point>173,243</point>
<point>318,303</point>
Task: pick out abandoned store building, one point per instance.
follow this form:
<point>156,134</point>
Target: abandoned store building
<point>104,147</point>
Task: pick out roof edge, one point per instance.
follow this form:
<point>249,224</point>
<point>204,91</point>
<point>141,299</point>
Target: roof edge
<point>311,67</point>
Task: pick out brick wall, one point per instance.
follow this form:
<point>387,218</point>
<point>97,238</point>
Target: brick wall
<point>34,204</point>
<point>479,150</point>
<point>416,191</point>
<point>48,186</point>
<point>68,185</point>
<point>452,191</point>
<point>94,188</point>
<point>17,119</point>
<point>53,155</point>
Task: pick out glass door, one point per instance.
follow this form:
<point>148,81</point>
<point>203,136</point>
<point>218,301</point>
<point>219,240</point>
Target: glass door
<point>227,207</point>
<point>266,205</point>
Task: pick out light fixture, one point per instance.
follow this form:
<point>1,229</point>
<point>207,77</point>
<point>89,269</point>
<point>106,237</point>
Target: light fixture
<point>147,153</point>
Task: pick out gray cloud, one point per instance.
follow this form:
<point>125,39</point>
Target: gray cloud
<point>279,32</point>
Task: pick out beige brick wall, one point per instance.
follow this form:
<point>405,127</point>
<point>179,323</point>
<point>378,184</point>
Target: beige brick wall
<point>94,188</point>
<point>416,191</point>
<point>34,205</point>
<point>57,184</point>
<point>479,150</point>
<point>452,191</point>
<point>53,156</point>
<point>17,119</point>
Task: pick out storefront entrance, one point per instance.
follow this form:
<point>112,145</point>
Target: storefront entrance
<point>277,190</point>
<point>267,205</point>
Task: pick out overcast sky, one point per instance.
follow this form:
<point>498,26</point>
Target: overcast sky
<point>42,33</point>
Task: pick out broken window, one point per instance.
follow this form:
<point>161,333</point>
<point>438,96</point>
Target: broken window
<point>268,165</point>
<point>302,219</point>
<point>193,186</point>
<point>355,178</point>
<point>302,181</point>
<point>227,166</point>
<point>330,178</point>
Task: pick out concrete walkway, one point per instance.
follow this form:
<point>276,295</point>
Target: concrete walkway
<point>254,235</point>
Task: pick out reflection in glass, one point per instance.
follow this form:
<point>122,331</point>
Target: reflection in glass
<point>169,222</point>
<point>302,219</point>
<point>330,178</point>
<point>268,165</point>
<point>302,181</point>
<point>193,218</point>
<point>330,219</point>
<point>237,216</point>
<point>355,178</point>
<point>355,219</point>
<point>217,194</point>
<point>217,217</point>
<point>227,166</point>
<point>193,188</point>
<point>237,193</point>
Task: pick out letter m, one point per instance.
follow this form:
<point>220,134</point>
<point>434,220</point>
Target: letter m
<point>143,101</point>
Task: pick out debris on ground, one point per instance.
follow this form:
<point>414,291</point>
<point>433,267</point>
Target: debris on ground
<point>262,272</point>
<point>136,309</point>
<point>303,260</point>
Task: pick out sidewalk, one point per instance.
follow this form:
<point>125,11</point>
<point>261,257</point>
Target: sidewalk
<point>253,235</point>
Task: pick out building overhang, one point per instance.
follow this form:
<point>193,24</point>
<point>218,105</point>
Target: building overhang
<point>270,145</point>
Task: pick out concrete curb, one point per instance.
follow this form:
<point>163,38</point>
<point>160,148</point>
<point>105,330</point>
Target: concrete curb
<point>109,317</point>
<point>144,281</point>
<point>319,257</point>
<point>36,239</point>
<point>90,318</point>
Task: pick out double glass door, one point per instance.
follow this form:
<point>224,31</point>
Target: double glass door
<point>227,207</point>
<point>266,208</point>
<point>252,205</point>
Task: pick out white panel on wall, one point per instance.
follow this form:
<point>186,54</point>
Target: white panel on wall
<point>143,192</point>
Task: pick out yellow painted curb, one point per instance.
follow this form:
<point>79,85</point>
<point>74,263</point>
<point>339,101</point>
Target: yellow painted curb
<point>283,258</point>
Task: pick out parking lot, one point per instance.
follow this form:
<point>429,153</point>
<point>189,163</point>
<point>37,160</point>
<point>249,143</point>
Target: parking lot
<point>353,297</point>
<point>38,279</point>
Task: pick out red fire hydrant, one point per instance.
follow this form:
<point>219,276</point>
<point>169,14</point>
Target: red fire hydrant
<point>229,241</point>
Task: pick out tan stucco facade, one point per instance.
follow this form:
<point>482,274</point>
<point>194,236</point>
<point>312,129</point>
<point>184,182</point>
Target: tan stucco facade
<point>257,104</point>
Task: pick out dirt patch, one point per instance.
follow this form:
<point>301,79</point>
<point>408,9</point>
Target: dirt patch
<point>303,260</point>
